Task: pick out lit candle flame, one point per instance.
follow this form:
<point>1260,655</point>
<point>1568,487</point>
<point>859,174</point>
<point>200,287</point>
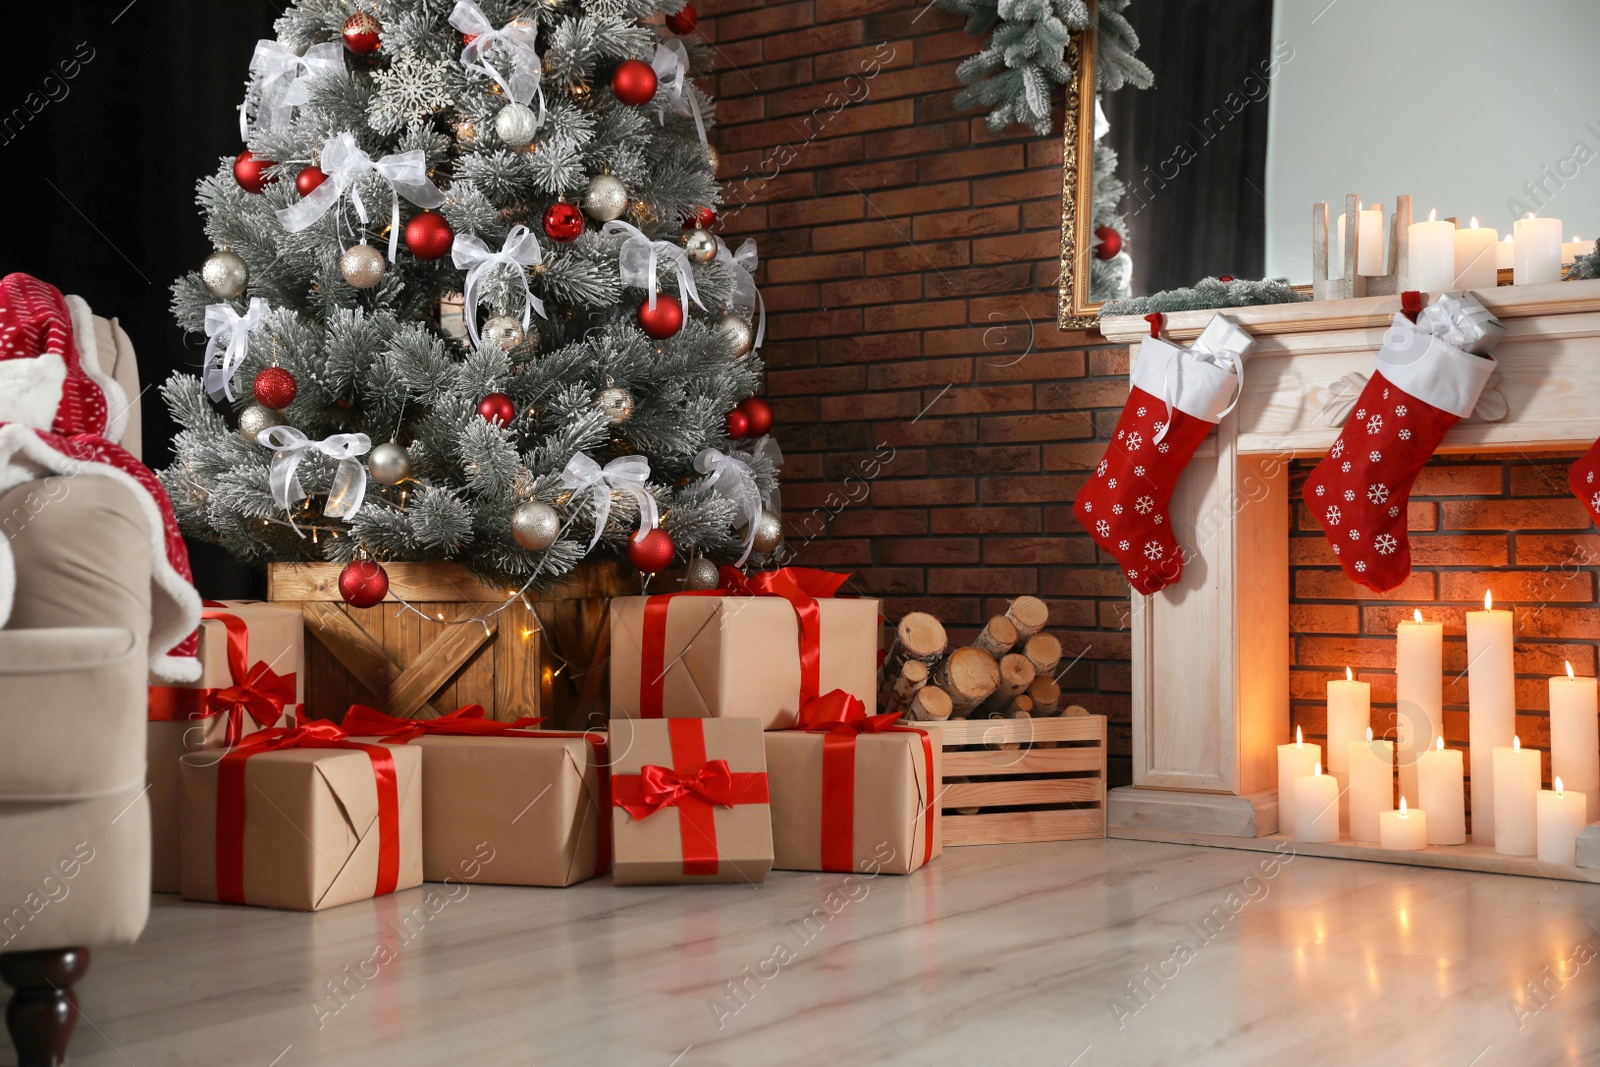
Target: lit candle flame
<point>1488,600</point>
<point>1433,214</point>
<point>1349,676</point>
<point>1576,238</point>
<point>1516,743</point>
<point>1439,745</point>
<point>1402,805</point>
<point>1474,225</point>
<point>1369,735</point>
<point>1299,741</point>
<point>1507,239</point>
<point>1559,790</point>
<point>1316,772</point>
<point>1529,215</point>
<point>1569,671</point>
<point>1416,613</point>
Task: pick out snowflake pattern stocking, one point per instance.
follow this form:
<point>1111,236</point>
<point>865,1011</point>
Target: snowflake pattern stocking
<point>1124,503</point>
<point>1584,480</point>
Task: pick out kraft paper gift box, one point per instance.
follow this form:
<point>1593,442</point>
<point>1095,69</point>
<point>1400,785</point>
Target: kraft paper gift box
<point>301,819</point>
<point>690,802</point>
<point>852,792</point>
<point>711,656</point>
<point>252,676</point>
<point>530,806</point>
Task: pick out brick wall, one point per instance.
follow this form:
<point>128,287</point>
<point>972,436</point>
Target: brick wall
<point>935,421</point>
<point>1507,525</point>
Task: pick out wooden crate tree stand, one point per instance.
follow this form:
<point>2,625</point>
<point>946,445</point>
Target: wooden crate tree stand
<point>548,661</point>
<point>1014,780</point>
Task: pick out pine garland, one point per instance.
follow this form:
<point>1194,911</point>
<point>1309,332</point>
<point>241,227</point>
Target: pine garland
<point>1208,293</point>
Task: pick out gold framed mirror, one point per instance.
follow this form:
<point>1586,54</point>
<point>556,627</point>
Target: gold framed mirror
<point>1076,311</point>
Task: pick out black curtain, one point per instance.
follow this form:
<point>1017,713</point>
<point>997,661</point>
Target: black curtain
<point>1193,148</point>
<point>110,113</point>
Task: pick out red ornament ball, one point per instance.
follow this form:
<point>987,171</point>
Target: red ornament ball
<point>429,236</point>
<point>1226,278</point>
<point>758,412</point>
<point>682,22</point>
<point>307,180</point>
<point>738,424</point>
<point>665,320</point>
<point>634,82</point>
<point>703,217</point>
<point>251,173</point>
<point>275,388</point>
<point>563,221</point>
<point>653,553</point>
<point>1108,242</point>
<point>360,32</point>
<point>497,407</point>
<point>363,583</point>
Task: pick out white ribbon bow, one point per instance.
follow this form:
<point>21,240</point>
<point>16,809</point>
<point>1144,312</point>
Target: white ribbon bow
<point>1223,344</point>
<point>745,296</point>
<point>730,477</point>
<point>626,474</point>
<point>520,250</point>
<point>516,37</point>
<point>224,322</point>
<point>1461,322</point>
<point>290,446</point>
<point>281,81</point>
<point>345,164</point>
<point>671,64</point>
<point>638,257</point>
<point>768,446</point>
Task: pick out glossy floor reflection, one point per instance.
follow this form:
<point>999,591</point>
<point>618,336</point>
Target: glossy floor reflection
<point>1016,954</point>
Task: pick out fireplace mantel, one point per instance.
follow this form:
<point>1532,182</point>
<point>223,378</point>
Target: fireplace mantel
<point>1211,652</point>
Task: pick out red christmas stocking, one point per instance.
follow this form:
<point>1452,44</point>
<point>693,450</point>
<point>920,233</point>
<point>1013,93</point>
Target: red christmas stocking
<point>1423,385</point>
<point>1584,480</point>
<point>1177,396</point>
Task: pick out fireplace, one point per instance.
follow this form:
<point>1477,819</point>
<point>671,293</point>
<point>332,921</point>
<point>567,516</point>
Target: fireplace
<point>1228,659</point>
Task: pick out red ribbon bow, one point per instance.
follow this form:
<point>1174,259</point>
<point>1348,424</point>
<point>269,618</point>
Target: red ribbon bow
<point>231,802</point>
<point>661,786</point>
<point>258,691</point>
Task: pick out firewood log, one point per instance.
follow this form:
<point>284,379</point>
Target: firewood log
<point>969,675</point>
<point>1029,615</point>
<point>1076,709</point>
<point>929,704</point>
<point>919,637</point>
<point>913,676</point>
<point>1044,652</point>
<point>1046,696</point>
<point>1016,674</point>
<point>997,637</point>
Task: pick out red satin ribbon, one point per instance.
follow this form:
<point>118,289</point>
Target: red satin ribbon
<point>693,785</point>
<point>231,802</point>
<point>802,587</point>
<point>842,718</point>
<point>468,721</point>
<point>258,691</point>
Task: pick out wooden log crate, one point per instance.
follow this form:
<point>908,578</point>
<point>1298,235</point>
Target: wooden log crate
<point>550,661</point>
<point>1016,780</point>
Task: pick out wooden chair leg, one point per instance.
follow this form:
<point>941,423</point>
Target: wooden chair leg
<point>44,1009</point>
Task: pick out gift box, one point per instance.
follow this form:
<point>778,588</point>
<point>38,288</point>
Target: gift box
<point>760,651</point>
<point>506,804</point>
<point>301,819</point>
<point>853,792</point>
<point>690,802</point>
<point>252,677</point>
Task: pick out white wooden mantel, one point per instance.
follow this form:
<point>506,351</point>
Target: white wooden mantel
<point>1211,652</point>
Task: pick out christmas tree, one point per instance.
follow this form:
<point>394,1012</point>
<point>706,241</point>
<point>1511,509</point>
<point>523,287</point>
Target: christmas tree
<point>465,302</point>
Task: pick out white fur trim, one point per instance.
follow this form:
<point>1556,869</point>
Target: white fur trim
<point>1180,379</point>
<point>30,390</point>
<point>1430,369</point>
<point>174,604</point>
<point>117,402</point>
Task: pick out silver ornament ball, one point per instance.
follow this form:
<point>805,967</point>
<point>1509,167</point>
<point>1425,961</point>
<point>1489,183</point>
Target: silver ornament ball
<point>701,573</point>
<point>362,266</point>
<point>516,124</point>
<point>225,275</point>
<point>254,419</point>
<point>769,532</point>
<point>617,403</point>
<point>736,333</point>
<point>503,330</point>
<point>534,525</point>
<point>389,463</point>
<point>700,245</point>
<point>606,198</point>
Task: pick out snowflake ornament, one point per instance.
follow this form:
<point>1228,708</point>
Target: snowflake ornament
<point>1345,467</point>
<point>1334,515</point>
<point>411,89</point>
<point>1162,447</point>
<point>1385,544</point>
<point>1361,566</point>
<point>1349,496</point>
<point>1321,489</point>
<point>1153,551</point>
<point>1400,410</point>
<point>1361,413</point>
<point>1375,424</point>
<point>1134,441</point>
<point>1123,546</point>
<point>1138,472</point>
<point>1394,511</point>
<point>1144,505</point>
<point>1112,484</point>
<point>1375,457</point>
<point>1355,534</point>
<point>1159,518</point>
<point>1140,412</point>
<point>1116,509</point>
<point>1378,494</point>
<point>1133,575</point>
<point>1405,435</point>
<point>1088,506</point>
<point>1103,528</point>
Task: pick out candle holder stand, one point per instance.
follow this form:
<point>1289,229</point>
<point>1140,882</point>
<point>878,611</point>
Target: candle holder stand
<point>1352,284</point>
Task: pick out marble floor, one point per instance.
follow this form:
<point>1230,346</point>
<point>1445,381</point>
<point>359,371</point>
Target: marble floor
<point>1069,955</point>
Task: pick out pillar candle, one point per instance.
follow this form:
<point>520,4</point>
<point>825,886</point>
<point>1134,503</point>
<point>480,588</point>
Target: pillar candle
<point>1419,692</point>
<point>1536,256</point>
<point>1560,817</point>
<point>1439,791</point>
<point>1371,785</point>
<point>1294,761</point>
<point>1492,704</point>
<point>1516,779</point>
<point>1371,255</point>
<point>1349,715</point>
<point>1403,830</point>
<point>1316,807</point>
<point>1505,254</point>
<point>1432,261</point>
<point>1476,257</point>
<point>1575,738</point>
<point>1571,250</point>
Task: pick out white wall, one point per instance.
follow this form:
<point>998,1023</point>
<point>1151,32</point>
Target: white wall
<point>1461,104</point>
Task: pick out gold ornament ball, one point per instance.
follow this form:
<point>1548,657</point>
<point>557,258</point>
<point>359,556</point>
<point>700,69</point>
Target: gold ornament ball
<point>362,266</point>
<point>700,245</point>
<point>389,463</point>
<point>606,198</point>
<point>701,573</point>
<point>466,131</point>
<point>769,532</point>
<point>736,333</point>
<point>225,275</point>
<point>516,124</point>
<point>534,525</point>
<point>617,403</point>
<point>714,158</point>
<point>503,330</point>
<point>254,419</point>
